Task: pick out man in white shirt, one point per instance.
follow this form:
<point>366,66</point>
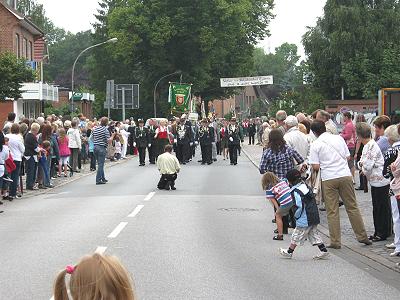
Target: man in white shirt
<point>169,167</point>
<point>295,138</point>
<point>330,154</point>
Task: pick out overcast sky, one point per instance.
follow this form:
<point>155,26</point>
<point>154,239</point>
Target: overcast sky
<point>292,18</point>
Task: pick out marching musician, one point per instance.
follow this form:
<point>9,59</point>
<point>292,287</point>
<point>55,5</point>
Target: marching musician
<point>183,139</point>
<point>152,147</point>
<point>141,140</point>
<point>206,138</point>
<point>235,136</point>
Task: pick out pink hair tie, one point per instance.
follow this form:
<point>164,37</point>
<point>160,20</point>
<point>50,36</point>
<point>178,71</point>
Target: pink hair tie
<point>70,269</point>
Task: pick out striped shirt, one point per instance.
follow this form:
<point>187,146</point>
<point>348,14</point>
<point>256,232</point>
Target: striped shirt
<point>100,136</point>
<point>281,193</point>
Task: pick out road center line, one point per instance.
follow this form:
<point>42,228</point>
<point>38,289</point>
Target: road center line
<point>117,230</point>
<point>136,211</point>
<point>149,196</point>
<point>101,250</point>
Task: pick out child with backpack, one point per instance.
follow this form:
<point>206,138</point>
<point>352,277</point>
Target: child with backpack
<point>278,192</point>
<point>307,217</point>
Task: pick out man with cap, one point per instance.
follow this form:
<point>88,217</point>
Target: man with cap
<point>295,138</point>
<point>206,138</point>
<point>235,136</point>
<point>183,139</point>
<point>141,140</point>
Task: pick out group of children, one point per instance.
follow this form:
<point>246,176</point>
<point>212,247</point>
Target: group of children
<point>292,195</point>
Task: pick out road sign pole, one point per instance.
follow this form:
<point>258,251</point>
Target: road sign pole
<point>123,104</point>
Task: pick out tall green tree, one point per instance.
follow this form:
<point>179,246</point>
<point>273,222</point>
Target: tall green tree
<point>13,72</point>
<point>62,56</point>
<point>204,39</point>
<point>37,14</point>
<point>354,45</point>
<point>283,65</point>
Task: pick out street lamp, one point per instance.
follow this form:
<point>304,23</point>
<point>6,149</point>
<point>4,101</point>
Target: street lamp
<point>113,40</point>
<point>155,89</point>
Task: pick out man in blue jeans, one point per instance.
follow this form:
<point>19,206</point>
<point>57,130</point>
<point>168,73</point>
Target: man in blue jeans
<point>101,138</point>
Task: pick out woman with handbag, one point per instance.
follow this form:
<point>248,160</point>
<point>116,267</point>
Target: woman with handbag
<point>17,149</point>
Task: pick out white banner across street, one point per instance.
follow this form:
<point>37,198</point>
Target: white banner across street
<point>247,81</point>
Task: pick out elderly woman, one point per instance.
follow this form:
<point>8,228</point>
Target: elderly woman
<point>393,135</point>
<point>371,164</point>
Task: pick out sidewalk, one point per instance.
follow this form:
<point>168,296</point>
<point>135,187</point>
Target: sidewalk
<point>61,181</point>
<point>376,252</point>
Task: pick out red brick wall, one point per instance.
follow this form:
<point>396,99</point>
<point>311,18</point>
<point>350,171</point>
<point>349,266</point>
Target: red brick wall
<point>5,108</point>
<point>9,26</point>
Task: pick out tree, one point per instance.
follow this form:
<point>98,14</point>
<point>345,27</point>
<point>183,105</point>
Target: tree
<point>283,65</point>
<point>205,39</point>
<point>63,55</point>
<point>37,14</point>
<point>349,44</point>
<point>13,72</point>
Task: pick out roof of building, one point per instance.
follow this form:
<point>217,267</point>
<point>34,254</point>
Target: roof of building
<point>24,21</point>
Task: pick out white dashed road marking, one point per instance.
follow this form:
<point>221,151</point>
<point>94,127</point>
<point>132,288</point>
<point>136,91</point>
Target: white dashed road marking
<point>136,211</point>
<point>101,250</point>
<point>117,230</point>
<point>149,196</point>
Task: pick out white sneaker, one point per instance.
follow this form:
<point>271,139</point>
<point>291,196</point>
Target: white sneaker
<point>285,253</point>
<point>321,256</point>
<point>390,246</point>
<point>393,254</point>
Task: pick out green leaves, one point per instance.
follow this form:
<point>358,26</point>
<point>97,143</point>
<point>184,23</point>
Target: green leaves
<point>352,47</point>
<point>206,39</point>
<point>13,72</point>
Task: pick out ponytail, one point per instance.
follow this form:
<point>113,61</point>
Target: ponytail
<point>60,290</point>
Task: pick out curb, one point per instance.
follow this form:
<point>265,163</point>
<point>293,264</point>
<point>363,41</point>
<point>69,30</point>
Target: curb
<point>73,179</point>
<point>324,230</point>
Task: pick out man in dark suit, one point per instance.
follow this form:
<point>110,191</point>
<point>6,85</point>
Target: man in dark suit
<point>183,141</point>
<point>152,147</point>
<point>252,132</point>
<point>235,136</point>
<point>206,138</point>
<point>141,140</point>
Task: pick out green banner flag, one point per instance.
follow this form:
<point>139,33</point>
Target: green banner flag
<point>179,96</point>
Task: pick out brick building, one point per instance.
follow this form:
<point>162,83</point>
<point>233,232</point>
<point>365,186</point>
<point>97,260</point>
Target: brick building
<point>83,104</point>
<point>20,36</point>
<point>239,104</point>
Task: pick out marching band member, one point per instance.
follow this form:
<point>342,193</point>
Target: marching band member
<point>141,140</point>
<point>206,138</point>
<point>183,141</point>
<point>235,136</point>
<point>161,137</point>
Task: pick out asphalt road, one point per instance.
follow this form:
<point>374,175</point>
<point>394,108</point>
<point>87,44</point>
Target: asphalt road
<point>210,239</point>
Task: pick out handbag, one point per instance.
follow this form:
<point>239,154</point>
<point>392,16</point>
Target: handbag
<point>10,164</point>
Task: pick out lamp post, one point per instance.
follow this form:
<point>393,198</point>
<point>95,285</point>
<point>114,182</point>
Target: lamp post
<point>113,40</point>
<point>155,89</point>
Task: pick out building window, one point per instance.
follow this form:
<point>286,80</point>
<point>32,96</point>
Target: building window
<point>25,48</point>
<point>17,45</point>
<point>30,51</point>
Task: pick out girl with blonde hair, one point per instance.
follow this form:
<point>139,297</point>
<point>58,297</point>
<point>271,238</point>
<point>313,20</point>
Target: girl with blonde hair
<point>95,277</point>
<point>277,191</point>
